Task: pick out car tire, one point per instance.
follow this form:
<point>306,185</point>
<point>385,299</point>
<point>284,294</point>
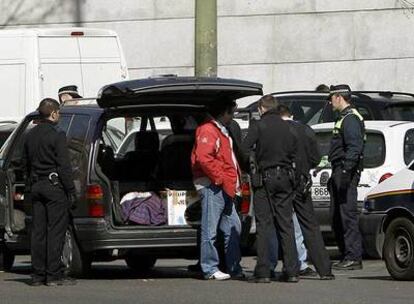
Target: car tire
<point>399,249</point>
<point>6,258</point>
<point>140,263</point>
<point>77,264</point>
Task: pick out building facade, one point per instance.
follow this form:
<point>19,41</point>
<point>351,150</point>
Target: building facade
<point>284,44</point>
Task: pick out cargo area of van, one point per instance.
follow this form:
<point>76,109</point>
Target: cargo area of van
<point>152,165</point>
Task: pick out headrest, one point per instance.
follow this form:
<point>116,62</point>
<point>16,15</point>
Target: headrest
<point>177,139</point>
<point>147,141</point>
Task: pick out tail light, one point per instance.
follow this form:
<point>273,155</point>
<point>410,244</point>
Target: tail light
<point>77,34</point>
<point>384,177</point>
<point>94,196</point>
<point>245,203</point>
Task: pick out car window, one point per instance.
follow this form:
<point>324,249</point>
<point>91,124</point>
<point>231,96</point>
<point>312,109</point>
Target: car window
<point>329,115</point>
<point>15,149</point>
<point>4,135</point>
<point>64,122</point>
<point>78,150</point>
<point>374,150</point>
<point>409,146</point>
<point>315,118</point>
<point>113,136</point>
<point>307,111</point>
<point>400,112</point>
<point>79,128</point>
<point>365,112</point>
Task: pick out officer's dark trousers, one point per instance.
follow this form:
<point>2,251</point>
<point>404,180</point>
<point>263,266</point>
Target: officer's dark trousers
<point>279,187</point>
<point>344,214</point>
<point>312,235</point>
<point>50,221</point>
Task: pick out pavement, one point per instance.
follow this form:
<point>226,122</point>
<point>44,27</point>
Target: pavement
<point>170,282</point>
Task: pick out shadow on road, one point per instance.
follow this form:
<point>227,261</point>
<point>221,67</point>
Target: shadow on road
<point>108,272</point>
<point>26,281</point>
<point>378,278</point>
<point>118,272</point>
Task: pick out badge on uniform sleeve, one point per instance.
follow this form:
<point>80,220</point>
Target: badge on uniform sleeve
<point>204,140</point>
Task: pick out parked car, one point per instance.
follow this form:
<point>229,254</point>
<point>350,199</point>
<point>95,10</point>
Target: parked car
<point>387,222</point>
<point>97,230</point>
<point>311,107</point>
<point>389,148</point>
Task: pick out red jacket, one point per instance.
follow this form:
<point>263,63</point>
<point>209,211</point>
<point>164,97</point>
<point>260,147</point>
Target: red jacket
<point>212,158</point>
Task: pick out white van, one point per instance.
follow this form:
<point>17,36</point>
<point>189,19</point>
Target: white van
<point>35,63</point>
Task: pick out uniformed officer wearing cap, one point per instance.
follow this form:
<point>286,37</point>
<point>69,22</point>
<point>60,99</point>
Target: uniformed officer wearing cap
<point>346,156</point>
<point>67,93</point>
<point>49,181</point>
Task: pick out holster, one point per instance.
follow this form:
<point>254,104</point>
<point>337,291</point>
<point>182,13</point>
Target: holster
<point>255,173</point>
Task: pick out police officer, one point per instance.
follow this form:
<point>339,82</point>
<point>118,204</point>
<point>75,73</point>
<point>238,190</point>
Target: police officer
<point>308,157</point>
<point>49,178</point>
<point>346,155</point>
<point>275,150</point>
<point>68,93</point>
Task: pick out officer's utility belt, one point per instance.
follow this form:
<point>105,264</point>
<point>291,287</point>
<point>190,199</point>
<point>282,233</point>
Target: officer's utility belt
<point>276,171</point>
<point>339,164</point>
<point>52,177</point>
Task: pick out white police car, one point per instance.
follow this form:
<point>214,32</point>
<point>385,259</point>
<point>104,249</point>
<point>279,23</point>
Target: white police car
<point>388,221</point>
<point>389,148</point>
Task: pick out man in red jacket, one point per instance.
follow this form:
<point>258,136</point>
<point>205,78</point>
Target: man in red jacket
<point>217,179</point>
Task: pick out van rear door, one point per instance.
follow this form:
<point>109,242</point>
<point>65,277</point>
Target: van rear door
<point>88,58</point>
<point>101,62</point>
<point>175,91</point>
<point>59,60</point>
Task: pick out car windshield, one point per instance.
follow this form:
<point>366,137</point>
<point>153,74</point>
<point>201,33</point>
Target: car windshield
<point>400,112</point>
<point>374,150</point>
<point>306,110</point>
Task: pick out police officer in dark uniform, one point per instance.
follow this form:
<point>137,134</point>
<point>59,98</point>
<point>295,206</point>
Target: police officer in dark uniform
<point>346,156</point>
<point>308,157</point>
<point>67,93</point>
<point>52,191</point>
<point>275,150</point>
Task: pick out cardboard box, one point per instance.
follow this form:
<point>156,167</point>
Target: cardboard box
<point>177,202</point>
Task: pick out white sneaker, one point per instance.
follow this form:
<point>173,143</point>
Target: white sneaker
<point>219,276</point>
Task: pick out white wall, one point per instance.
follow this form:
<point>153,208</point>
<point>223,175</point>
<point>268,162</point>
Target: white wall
<point>285,44</point>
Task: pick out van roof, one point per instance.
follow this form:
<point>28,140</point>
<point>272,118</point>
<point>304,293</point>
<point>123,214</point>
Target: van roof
<point>53,32</point>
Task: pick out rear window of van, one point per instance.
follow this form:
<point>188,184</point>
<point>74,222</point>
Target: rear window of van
<point>374,150</point>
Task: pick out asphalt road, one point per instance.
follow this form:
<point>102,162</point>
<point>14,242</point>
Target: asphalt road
<point>169,282</point>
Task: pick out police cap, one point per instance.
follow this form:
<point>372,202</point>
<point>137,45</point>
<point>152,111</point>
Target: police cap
<point>340,89</point>
<point>72,90</point>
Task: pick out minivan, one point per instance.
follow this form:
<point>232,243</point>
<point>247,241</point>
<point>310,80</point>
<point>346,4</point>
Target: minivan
<point>160,160</point>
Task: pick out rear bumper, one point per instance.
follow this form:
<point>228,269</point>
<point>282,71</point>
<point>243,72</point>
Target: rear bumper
<point>370,225</point>
<point>96,234</point>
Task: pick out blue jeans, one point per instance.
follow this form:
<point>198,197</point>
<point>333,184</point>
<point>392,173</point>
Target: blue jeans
<point>218,212</point>
<point>300,246</point>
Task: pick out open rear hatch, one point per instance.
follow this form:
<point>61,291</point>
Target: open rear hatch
<point>175,90</point>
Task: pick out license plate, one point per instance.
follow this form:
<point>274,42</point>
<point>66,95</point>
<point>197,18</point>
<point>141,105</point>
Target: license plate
<point>320,193</point>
